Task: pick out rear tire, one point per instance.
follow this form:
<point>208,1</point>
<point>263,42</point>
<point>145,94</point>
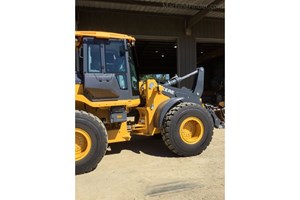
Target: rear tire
<point>90,142</point>
<point>187,129</point>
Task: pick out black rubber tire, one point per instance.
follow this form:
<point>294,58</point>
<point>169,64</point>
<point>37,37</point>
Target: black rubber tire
<point>171,127</point>
<point>98,134</point>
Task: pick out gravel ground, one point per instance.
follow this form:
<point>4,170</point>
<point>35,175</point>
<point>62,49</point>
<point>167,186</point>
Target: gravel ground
<point>144,168</point>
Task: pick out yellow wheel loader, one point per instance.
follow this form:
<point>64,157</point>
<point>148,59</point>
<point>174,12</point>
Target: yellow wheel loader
<point>112,105</point>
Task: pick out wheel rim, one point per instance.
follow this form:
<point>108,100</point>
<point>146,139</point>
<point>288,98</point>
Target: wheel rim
<point>83,143</point>
<point>191,130</point>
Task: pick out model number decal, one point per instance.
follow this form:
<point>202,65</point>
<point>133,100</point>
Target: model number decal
<point>169,91</point>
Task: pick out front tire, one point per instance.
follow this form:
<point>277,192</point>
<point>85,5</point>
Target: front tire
<point>187,129</point>
<point>90,141</point>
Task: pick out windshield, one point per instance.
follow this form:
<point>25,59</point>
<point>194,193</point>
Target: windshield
<point>133,76</point>
<point>115,56</point>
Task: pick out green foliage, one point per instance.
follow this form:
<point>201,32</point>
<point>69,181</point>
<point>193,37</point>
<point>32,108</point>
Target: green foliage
<point>161,78</point>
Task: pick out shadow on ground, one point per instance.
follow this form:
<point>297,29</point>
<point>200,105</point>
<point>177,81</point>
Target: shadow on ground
<point>153,146</point>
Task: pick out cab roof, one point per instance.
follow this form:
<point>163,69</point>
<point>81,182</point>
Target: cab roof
<point>101,34</point>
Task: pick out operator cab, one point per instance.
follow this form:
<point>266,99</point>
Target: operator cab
<point>106,69</point>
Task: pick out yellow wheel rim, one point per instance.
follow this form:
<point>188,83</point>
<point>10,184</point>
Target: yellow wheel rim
<point>83,143</point>
<point>191,130</point>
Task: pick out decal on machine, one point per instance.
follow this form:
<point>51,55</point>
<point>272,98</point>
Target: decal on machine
<point>169,91</point>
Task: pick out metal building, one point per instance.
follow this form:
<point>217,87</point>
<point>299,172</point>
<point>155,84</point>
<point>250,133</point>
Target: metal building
<point>173,37</point>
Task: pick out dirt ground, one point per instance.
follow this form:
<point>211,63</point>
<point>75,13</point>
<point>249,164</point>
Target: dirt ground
<point>144,168</point>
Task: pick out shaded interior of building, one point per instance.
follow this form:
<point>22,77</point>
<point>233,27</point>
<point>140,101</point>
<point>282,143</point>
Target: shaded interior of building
<point>158,59</point>
<point>211,57</point>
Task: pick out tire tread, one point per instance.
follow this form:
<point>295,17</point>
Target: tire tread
<point>166,135</point>
<point>95,120</point>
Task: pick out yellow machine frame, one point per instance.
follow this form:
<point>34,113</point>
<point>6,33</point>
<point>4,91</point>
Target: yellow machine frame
<point>150,90</point>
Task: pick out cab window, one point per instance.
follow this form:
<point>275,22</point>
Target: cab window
<point>94,58</point>
<point>115,61</point>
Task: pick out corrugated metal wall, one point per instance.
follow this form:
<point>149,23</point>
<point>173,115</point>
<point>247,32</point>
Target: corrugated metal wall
<point>142,24</point>
<point>130,23</point>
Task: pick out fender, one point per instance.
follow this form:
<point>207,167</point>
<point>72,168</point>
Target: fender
<point>163,108</point>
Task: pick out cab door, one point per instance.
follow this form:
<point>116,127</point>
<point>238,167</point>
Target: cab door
<point>105,70</point>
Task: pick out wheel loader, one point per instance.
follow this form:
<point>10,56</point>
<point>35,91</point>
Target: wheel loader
<point>112,105</point>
